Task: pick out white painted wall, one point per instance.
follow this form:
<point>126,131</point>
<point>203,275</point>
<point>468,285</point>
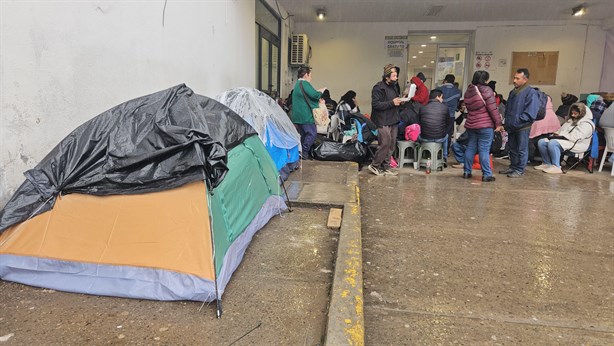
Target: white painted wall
<point>64,62</point>
<point>352,55</point>
<point>580,50</point>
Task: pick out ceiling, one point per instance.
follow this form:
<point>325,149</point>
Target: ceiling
<point>449,10</point>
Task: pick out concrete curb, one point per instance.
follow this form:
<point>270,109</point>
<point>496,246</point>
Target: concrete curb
<point>345,313</point>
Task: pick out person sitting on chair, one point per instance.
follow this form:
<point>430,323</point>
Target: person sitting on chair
<point>434,120</point>
<point>575,135</point>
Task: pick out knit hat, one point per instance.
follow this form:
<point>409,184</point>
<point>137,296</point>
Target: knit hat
<point>491,84</point>
<point>388,69</point>
<point>420,76</point>
<point>568,99</point>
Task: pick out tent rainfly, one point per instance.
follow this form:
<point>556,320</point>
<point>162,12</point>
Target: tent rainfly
<point>156,198</point>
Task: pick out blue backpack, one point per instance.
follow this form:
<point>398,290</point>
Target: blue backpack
<point>543,101</point>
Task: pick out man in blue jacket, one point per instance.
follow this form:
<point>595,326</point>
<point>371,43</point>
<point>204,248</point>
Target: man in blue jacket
<point>520,113</point>
<point>451,96</point>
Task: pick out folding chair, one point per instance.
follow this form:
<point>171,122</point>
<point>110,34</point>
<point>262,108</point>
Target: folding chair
<point>609,146</point>
<point>585,157</point>
<point>334,127</point>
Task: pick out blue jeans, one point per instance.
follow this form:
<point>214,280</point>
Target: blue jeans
<point>550,150</point>
<point>308,134</point>
<point>519,149</point>
<point>443,140</point>
<point>459,152</point>
<point>480,141</point>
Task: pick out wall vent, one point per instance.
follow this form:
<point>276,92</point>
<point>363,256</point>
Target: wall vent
<point>434,10</point>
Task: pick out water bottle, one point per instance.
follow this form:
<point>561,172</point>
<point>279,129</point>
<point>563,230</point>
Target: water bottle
<point>428,166</point>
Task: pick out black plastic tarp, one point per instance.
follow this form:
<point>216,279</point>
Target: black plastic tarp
<point>151,143</point>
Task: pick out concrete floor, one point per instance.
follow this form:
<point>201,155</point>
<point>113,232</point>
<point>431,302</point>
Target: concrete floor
<point>516,262</point>
<point>446,261</point>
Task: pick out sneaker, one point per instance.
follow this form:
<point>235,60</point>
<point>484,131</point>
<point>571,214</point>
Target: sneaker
<point>389,171</point>
<point>507,171</point>
<point>374,170</point>
<point>515,174</point>
<point>458,165</point>
<point>466,175</point>
<point>542,166</point>
<point>553,170</point>
<point>489,178</point>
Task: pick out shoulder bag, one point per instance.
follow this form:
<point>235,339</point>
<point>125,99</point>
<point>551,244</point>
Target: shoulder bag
<point>320,115</point>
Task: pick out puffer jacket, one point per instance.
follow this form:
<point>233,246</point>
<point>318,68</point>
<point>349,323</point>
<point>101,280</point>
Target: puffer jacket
<point>578,136</point>
<point>422,92</point>
<point>521,108</point>
<point>384,112</point>
<point>481,114</point>
<point>434,120</point>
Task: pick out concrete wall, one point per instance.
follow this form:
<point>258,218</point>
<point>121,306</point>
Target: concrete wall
<point>352,55</point>
<point>64,62</point>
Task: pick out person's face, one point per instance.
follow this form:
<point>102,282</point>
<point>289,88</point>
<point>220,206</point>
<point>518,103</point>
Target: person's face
<point>307,76</point>
<point>393,76</point>
<point>520,79</point>
<point>574,114</point>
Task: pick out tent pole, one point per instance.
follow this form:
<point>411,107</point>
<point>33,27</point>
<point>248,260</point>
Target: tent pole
<point>218,300</point>
<point>283,184</point>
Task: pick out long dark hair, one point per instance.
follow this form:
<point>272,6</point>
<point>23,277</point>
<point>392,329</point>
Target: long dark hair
<point>480,77</point>
<point>348,98</point>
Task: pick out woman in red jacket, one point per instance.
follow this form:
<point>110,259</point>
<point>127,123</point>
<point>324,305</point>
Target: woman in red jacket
<point>483,119</point>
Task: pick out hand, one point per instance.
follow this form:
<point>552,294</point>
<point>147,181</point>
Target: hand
<point>499,128</point>
<point>396,101</point>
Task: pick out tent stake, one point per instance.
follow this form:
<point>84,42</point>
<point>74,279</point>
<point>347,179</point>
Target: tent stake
<point>283,184</point>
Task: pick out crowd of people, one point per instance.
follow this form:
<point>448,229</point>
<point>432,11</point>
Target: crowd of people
<point>518,128</point>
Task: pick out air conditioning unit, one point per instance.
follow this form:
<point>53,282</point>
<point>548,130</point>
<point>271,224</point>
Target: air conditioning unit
<point>299,52</point>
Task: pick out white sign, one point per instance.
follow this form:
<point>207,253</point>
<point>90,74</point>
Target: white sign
<point>396,46</point>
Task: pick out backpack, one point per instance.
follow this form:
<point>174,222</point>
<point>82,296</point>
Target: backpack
<point>543,101</point>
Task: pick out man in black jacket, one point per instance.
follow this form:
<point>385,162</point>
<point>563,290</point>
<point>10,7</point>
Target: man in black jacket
<point>385,104</point>
<point>434,120</point>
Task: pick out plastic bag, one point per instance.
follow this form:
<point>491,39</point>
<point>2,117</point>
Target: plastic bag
<point>334,151</point>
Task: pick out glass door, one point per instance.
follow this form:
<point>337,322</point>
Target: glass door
<point>451,60</point>
<point>436,55</point>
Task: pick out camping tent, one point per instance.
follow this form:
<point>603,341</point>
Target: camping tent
<point>273,125</point>
<point>157,198</point>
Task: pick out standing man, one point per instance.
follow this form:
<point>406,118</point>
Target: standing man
<point>520,113</point>
<point>385,104</point>
<point>304,99</point>
<point>451,96</point>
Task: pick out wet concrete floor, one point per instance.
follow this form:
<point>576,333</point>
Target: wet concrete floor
<point>278,296</point>
<point>516,262</point>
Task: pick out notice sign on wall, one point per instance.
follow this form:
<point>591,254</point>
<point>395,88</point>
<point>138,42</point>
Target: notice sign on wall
<point>396,46</point>
<point>483,60</point>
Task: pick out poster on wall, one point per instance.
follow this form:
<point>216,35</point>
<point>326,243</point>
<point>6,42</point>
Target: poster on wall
<point>396,46</point>
<point>483,61</point>
<point>445,66</point>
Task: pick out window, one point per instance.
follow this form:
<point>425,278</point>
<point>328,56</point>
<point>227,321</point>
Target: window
<point>268,28</point>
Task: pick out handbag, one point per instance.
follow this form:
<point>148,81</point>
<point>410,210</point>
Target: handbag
<point>320,115</point>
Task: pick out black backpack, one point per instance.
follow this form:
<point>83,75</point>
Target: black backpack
<point>543,101</point>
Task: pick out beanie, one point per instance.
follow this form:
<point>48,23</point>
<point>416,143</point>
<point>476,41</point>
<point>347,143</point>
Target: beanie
<point>568,99</point>
<point>388,69</point>
<point>492,84</point>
